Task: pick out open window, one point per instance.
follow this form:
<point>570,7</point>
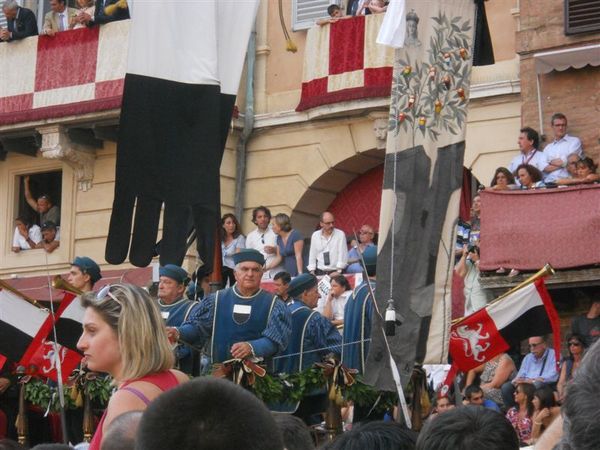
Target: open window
<point>46,185</point>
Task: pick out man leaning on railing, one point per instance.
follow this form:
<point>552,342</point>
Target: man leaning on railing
<point>20,22</point>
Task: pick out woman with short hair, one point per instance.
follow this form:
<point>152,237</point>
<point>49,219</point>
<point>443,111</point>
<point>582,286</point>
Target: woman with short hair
<point>289,243</point>
<point>124,335</point>
<point>529,176</point>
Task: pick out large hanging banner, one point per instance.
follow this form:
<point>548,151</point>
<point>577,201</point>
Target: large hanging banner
<point>421,185</point>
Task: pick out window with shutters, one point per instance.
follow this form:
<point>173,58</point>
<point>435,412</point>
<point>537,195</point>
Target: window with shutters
<point>582,16</point>
<point>306,12</point>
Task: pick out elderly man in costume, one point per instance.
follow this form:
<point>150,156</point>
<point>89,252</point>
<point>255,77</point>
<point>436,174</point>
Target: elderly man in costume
<point>358,315</point>
<point>175,308</point>
<point>313,337</point>
<point>84,273</point>
<point>242,321</point>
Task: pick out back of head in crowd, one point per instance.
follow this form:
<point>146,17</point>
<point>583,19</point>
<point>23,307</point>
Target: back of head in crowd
<point>580,410</point>
<point>9,444</point>
<point>121,432</point>
<point>294,432</point>
<point>208,414</point>
<point>52,447</point>
<point>469,428</point>
<point>376,435</point>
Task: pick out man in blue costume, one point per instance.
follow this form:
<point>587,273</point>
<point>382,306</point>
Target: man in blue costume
<point>175,309</point>
<point>242,321</point>
<point>358,315</point>
<point>313,337</point>
<point>310,330</point>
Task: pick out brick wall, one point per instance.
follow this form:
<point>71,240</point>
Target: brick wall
<point>574,92</point>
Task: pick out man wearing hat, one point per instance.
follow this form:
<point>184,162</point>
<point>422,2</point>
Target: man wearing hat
<point>175,309</point>
<point>84,273</point>
<point>310,330</point>
<point>313,337</point>
<point>50,237</point>
<point>358,314</point>
<point>242,321</point>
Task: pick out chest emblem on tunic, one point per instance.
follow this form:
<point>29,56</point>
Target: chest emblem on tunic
<point>241,313</point>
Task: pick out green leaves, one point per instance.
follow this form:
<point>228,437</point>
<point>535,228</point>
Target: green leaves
<point>447,41</point>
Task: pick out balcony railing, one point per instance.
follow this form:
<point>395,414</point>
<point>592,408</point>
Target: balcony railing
<point>74,72</point>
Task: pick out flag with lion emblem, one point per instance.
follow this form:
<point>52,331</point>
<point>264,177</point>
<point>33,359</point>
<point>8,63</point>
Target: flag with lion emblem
<point>480,337</point>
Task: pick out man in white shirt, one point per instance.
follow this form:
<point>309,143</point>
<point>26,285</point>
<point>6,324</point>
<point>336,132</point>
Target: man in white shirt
<point>328,250</point>
<point>529,140</point>
<point>264,239</point>
<point>559,150</point>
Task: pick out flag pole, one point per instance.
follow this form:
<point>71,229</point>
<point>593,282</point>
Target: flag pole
<point>8,287</point>
<point>393,366</point>
<point>59,374</point>
<point>545,271</point>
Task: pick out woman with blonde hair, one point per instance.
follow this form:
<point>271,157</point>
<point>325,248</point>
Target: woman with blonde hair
<point>124,335</point>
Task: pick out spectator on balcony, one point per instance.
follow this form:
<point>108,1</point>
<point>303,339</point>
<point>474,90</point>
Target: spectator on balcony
<point>26,236</point>
<point>118,10</point>
<point>492,375</point>
<point>559,149</point>
<point>528,141</point>
<point>20,22</point>
<point>530,177</point>
<point>588,325</point>
<point>545,411</point>
<point>290,244</point>
<point>572,161</point>
<point>87,8</point>
<point>42,205</point>
<point>503,180</point>
<point>587,172</point>
<point>335,303</point>
<point>570,364</point>
<point>335,14</point>
<point>521,415</point>
<point>328,251</point>
<point>50,237</point>
<point>538,368</point>
<point>59,18</point>
<point>377,6</point>
<point>232,241</point>
<point>476,297</point>
<point>365,237</point>
<point>264,240</point>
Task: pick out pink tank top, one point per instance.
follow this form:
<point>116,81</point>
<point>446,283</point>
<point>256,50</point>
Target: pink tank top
<point>163,380</point>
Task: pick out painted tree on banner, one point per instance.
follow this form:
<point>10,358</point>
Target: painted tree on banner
<point>421,186</point>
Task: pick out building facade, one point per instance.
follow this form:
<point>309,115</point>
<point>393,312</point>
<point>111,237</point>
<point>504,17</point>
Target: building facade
<point>296,162</point>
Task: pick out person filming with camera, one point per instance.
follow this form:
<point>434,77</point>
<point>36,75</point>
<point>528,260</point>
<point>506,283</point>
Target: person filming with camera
<point>476,297</point>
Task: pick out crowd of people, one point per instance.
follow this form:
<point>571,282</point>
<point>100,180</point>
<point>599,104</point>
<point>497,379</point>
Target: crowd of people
<point>21,22</point>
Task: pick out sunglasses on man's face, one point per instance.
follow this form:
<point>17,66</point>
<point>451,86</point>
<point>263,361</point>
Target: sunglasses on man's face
<point>574,344</point>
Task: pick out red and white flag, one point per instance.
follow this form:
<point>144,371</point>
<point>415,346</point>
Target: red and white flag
<point>492,330</point>
<point>44,354</point>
